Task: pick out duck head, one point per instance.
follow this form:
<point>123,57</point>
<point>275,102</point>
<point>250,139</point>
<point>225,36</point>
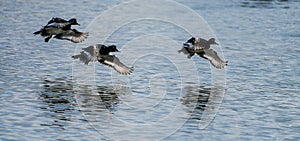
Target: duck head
<point>113,48</point>
<point>73,21</point>
<point>212,41</point>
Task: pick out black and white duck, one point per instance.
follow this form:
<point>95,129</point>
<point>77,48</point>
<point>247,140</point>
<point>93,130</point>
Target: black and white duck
<point>101,53</point>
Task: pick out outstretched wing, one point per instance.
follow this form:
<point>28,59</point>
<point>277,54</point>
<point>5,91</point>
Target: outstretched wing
<point>73,35</point>
<point>78,37</point>
<point>83,57</point>
<point>89,54</point>
<point>115,63</point>
<point>213,58</point>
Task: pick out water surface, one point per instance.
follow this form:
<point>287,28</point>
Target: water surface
<point>41,101</point>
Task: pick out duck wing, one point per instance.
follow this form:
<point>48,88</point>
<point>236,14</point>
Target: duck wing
<point>72,35</point>
<point>115,63</point>
<point>89,54</point>
<point>213,58</point>
<point>66,25</point>
<point>57,19</point>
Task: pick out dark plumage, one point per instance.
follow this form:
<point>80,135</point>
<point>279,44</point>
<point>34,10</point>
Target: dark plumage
<point>61,23</point>
<point>101,53</point>
<point>72,35</point>
<point>203,51</point>
<point>62,28</point>
<point>200,43</point>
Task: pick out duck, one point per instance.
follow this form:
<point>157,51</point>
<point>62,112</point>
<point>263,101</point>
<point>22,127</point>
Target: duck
<point>204,51</point>
<point>72,35</point>
<point>101,53</point>
<point>63,27</point>
<point>200,43</point>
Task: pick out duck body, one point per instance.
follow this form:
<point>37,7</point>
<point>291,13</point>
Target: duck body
<point>101,53</point>
<point>48,32</point>
<point>200,43</point>
<point>62,23</point>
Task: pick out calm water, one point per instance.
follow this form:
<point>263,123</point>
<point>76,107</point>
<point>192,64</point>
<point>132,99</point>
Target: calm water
<point>45,95</point>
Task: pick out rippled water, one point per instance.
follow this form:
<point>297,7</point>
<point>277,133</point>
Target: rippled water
<point>45,95</point>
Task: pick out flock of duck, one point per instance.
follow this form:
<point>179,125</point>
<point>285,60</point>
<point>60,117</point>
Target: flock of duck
<point>61,29</point>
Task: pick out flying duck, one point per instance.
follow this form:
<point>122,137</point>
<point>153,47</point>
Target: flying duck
<point>62,28</point>
<point>101,53</point>
<point>204,51</point>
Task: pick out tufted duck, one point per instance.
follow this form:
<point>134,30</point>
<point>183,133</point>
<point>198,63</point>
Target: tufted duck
<point>101,53</point>
<point>203,51</point>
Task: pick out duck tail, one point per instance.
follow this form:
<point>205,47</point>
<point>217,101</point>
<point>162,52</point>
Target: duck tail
<point>37,32</point>
<point>76,56</point>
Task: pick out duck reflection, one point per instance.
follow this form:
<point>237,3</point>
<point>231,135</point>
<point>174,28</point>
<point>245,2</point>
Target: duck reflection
<point>57,97</point>
<point>56,91</point>
<point>195,98</point>
<point>203,103</point>
<point>109,96</point>
<point>61,97</point>
<point>264,3</point>
<point>102,99</point>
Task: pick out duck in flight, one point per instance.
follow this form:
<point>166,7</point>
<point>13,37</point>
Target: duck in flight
<point>62,30</point>
<point>202,48</point>
<point>101,53</point>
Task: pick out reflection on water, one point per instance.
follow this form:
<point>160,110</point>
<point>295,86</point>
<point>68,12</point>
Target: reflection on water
<point>58,96</point>
<point>108,97</point>
<point>106,109</point>
<point>103,98</point>
<point>264,4</point>
<point>195,99</point>
<point>116,109</point>
<point>58,100</point>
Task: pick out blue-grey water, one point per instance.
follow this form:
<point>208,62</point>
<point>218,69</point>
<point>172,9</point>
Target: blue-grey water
<point>45,95</point>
